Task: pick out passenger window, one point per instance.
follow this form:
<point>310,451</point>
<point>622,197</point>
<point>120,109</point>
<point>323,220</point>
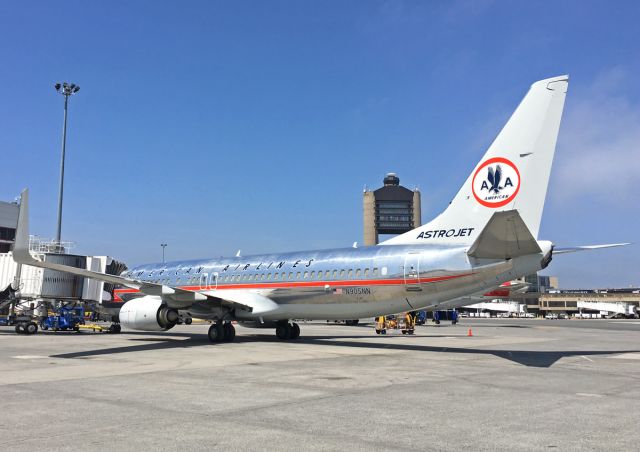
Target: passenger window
<point>350,273</point>
<point>320,275</point>
<point>290,275</point>
<point>306,275</point>
<point>357,273</point>
<point>313,275</point>
<point>342,273</point>
<point>298,275</point>
<point>375,272</point>
<point>275,276</point>
<point>366,272</point>
<point>335,274</point>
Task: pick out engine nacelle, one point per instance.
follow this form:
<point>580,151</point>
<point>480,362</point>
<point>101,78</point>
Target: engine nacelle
<point>148,314</point>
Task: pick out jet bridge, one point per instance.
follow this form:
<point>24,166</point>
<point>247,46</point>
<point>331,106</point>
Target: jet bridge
<point>625,309</point>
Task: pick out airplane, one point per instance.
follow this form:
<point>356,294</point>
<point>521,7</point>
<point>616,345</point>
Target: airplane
<point>487,236</point>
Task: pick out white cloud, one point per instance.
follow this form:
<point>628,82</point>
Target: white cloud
<point>599,147</point>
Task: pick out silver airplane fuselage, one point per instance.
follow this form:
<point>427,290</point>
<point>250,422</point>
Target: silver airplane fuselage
<point>346,283</point>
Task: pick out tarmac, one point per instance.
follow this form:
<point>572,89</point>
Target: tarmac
<point>516,384</point>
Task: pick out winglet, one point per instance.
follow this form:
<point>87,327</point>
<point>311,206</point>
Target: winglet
<point>21,246</point>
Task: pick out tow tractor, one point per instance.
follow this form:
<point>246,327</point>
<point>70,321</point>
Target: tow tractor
<point>405,323</point>
<point>71,318</point>
<point>65,318</point>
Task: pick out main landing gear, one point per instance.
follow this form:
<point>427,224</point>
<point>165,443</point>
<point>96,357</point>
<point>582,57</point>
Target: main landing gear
<point>286,330</point>
<point>222,332</point>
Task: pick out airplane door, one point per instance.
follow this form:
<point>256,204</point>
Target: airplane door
<point>203,280</point>
<point>412,271</point>
<point>214,280</point>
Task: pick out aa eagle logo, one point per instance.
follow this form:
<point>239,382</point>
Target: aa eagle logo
<point>494,179</point>
<point>496,182</point>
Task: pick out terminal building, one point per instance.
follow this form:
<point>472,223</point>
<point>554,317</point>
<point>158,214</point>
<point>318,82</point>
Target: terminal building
<point>391,209</point>
<point>8,222</point>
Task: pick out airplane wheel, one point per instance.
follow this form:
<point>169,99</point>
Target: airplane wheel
<point>188,321</point>
<point>295,331</point>
<point>216,332</point>
<point>20,328</point>
<point>228,332</point>
<point>383,332</point>
<point>283,331</point>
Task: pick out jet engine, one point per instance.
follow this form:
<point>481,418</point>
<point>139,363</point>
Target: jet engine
<point>148,314</point>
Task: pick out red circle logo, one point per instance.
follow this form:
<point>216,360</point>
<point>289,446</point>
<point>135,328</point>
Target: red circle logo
<point>496,182</point>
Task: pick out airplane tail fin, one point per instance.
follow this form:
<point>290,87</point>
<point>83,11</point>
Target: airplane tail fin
<point>512,175</point>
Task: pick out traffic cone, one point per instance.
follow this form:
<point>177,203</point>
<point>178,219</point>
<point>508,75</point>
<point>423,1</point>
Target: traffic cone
<point>469,333</point>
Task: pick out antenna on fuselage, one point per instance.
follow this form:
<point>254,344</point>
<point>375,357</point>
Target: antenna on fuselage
<point>238,253</point>
<point>355,245</point>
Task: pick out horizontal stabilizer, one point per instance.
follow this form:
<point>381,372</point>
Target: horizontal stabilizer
<point>504,237</point>
<point>573,249</point>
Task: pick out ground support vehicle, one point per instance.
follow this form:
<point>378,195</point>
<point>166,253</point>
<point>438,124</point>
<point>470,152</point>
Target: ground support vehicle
<point>24,323</point>
<point>64,318</point>
<point>409,323</point>
<point>445,315</point>
<point>114,328</point>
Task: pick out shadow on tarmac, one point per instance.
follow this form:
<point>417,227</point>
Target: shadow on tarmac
<point>529,358</point>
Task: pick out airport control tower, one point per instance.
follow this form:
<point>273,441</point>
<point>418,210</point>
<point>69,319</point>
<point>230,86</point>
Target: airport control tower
<point>391,209</point>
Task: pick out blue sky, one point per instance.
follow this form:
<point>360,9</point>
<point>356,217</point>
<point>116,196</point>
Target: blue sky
<point>216,126</point>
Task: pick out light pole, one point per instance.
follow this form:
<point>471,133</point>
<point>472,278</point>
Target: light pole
<point>163,245</point>
<point>66,90</point>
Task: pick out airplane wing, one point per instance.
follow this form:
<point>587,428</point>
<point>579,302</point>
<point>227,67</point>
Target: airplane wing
<point>174,297</point>
<point>574,249</point>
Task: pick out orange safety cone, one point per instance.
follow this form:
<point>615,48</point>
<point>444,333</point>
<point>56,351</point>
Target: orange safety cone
<point>469,333</point>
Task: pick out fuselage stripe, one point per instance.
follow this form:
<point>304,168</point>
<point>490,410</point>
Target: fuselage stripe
<point>318,284</point>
